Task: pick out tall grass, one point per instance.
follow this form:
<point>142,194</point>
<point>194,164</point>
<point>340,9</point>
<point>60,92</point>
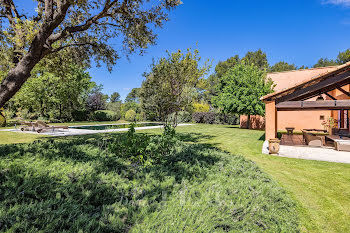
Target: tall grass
<point>80,185</point>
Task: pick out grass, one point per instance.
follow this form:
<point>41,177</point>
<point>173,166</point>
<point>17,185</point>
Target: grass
<point>78,184</point>
<point>321,188</point>
<point>11,137</point>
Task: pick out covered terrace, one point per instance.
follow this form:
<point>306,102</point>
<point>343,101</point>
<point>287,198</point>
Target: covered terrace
<point>302,97</point>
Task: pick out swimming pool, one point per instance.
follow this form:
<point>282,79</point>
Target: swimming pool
<point>119,126</point>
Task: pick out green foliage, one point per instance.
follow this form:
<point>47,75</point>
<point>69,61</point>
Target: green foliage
<point>240,90</point>
<point>184,117</point>
<point>257,58</point>
<point>143,149</point>
<point>115,97</point>
<point>133,95</point>
<point>324,62</point>
<point>170,86</point>
<point>201,107</point>
<point>51,95</point>
<point>343,57</point>
<point>130,115</point>
<point>282,66</point>
<point>141,116</point>
<point>2,118</point>
<point>105,115</point>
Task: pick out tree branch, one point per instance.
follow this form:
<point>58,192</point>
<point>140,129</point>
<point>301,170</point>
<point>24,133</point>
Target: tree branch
<point>83,27</point>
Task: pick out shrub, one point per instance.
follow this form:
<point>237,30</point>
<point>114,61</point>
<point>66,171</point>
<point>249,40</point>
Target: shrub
<point>198,117</point>
<point>217,118</point>
<point>141,116</point>
<point>130,115</point>
<point>201,107</point>
<point>105,115</point>
<point>209,118</point>
<point>80,115</point>
<point>184,117</point>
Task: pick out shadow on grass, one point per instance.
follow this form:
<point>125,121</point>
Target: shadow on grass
<point>72,184</point>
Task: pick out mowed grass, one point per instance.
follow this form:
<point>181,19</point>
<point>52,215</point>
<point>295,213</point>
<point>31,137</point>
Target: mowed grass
<point>321,188</point>
<point>14,137</point>
<point>77,184</point>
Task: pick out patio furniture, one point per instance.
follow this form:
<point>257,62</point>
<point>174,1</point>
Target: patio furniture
<point>290,130</point>
<point>335,138</point>
<point>312,140</point>
<point>28,126</point>
<point>43,126</point>
<point>342,145</point>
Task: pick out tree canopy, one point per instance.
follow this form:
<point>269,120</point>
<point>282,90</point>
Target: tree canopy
<point>282,66</point>
<point>240,90</point>
<point>84,28</point>
<point>170,85</point>
<point>115,97</point>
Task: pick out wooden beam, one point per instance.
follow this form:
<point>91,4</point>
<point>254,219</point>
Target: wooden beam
<point>326,85</point>
<point>330,96</point>
<point>313,105</point>
<point>342,90</point>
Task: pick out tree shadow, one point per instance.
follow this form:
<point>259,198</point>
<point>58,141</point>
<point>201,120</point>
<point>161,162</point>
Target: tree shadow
<point>72,184</point>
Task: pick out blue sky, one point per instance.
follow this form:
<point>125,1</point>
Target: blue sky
<point>295,31</point>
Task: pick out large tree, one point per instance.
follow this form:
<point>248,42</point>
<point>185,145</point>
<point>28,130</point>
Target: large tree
<point>240,90</point>
<point>257,58</point>
<point>84,27</point>
<point>170,85</point>
<point>324,62</point>
<point>282,66</point>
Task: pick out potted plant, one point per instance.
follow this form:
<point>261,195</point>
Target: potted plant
<point>329,124</point>
<point>274,146</point>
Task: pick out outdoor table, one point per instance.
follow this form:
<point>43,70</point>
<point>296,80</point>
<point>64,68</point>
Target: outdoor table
<point>290,130</point>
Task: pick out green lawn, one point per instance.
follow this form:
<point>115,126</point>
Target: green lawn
<point>322,189</point>
<point>10,137</point>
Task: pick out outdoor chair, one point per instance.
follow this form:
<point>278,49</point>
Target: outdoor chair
<point>28,126</point>
<point>312,140</point>
<point>342,145</point>
<point>43,126</point>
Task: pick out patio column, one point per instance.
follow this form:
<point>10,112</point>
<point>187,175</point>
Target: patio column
<point>270,120</point>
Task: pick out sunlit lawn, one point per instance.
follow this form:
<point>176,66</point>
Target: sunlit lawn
<point>321,188</point>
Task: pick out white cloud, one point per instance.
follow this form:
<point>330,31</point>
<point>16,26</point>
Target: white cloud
<point>337,2</point>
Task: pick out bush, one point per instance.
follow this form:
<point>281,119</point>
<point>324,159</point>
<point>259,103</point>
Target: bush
<point>217,118</point>
<point>140,116</point>
<point>80,115</point>
<point>105,115</point>
<point>130,115</point>
<point>200,107</point>
<point>184,117</point>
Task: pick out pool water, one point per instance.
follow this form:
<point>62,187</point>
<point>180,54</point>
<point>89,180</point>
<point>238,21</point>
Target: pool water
<point>120,126</point>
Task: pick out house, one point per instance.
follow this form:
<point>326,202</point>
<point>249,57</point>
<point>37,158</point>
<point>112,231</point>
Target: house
<point>302,118</point>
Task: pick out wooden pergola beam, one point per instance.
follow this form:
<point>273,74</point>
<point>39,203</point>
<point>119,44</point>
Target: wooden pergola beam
<point>342,90</point>
<point>313,105</point>
<point>324,86</point>
<point>330,96</point>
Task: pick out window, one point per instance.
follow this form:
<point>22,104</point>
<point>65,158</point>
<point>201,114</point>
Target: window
<point>322,118</point>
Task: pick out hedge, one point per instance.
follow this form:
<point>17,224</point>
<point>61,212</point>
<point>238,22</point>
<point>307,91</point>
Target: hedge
<point>215,118</point>
<point>105,115</point>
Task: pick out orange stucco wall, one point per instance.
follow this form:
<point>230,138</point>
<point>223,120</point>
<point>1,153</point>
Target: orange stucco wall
<point>297,119</point>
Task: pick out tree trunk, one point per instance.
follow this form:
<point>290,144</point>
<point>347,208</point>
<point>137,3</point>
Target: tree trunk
<point>248,122</point>
<point>14,81</point>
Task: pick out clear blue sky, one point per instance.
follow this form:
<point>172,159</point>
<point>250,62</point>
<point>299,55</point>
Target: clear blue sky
<point>295,31</point>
